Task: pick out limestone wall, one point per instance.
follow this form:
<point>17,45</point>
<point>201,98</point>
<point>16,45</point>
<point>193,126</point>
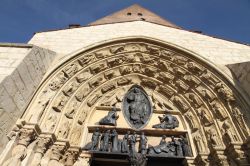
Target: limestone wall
<point>218,51</point>
<point>22,67</point>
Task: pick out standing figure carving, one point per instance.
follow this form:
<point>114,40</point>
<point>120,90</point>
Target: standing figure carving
<point>114,137</point>
<point>110,119</point>
<point>143,144</point>
<point>137,108</point>
<point>167,122</point>
<point>125,147</point>
<point>95,140</point>
<point>105,141</point>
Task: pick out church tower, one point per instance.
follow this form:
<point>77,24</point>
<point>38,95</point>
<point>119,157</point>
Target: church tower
<point>130,89</point>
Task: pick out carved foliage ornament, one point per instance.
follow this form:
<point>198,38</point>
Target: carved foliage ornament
<point>137,108</point>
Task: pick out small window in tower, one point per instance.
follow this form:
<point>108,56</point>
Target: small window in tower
<point>139,14</point>
<point>129,14</point>
<point>143,19</point>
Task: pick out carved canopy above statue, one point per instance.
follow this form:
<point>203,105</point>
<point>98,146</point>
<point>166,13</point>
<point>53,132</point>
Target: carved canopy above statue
<point>172,78</point>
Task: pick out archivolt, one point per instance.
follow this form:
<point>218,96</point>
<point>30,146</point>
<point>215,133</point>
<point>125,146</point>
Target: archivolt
<point>205,98</point>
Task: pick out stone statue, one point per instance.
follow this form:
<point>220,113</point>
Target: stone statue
<point>105,141</point>
<point>95,139</point>
<point>132,142</point>
<point>185,147</point>
<point>110,119</point>
<point>178,147</point>
<point>125,147</point>
<point>18,154</point>
<point>143,144</point>
<point>167,122</point>
<point>114,137</point>
<point>137,108</point>
<point>165,149</point>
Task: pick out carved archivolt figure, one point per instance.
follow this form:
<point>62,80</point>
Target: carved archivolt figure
<point>213,136</point>
<point>199,142</point>
<point>64,130</point>
<point>50,123</point>
<point>219,111</point>
<point>229,132</point>
<point>206,118</point>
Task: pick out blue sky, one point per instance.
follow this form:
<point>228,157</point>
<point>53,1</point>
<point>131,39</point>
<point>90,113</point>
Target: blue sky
<point>227,19</point>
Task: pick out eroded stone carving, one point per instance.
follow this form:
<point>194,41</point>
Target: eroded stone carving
<point>93,100</point>
<point>125,70</point>
<point>70,89</point>
<point>137,108</point>
<point>167,122</point>
<point>108,87</point>
<point>58,81</point>
<point>50,122</point>
<point>165,77</point>
<point>166,91</point>
<point>64,129</point>
<point>205,117</point>
<point>82,93</point>
<point>87,59</point>
<point>213,137</point>
<point>224,92</point>
<point>194,100</point>
<point>60,102</point>
<point>75,135</point>
<point>182,87</point>
<point>96,82</point>
<point>229,132</point>
<point>219,111</point>
<point>180,103</point>
<point>148,83</point>
<point>98,68</point>
<point>124,81</point>
<point>191,120</point>
<point>110,119</point>
<point>71,69</point>
<point>71,110</point>
<point>195,68</point>
<point>199,142</point>
<point>83,76</point>
<point>95,139</point>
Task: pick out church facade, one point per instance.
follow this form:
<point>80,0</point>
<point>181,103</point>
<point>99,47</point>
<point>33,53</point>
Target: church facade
<point>129,89</point>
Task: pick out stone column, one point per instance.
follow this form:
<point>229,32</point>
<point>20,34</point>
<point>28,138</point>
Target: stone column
<point>44,141</point>
<point>83,160</point>
<point>58,149</point>
<point>19,152</point>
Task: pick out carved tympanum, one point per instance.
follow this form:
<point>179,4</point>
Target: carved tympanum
<point>137,108</point>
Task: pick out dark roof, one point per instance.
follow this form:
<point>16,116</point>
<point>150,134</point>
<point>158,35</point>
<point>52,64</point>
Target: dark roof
<point>134,13</point>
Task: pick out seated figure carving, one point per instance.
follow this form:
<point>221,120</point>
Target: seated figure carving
<point>167,122</point>
<point>110,119</point>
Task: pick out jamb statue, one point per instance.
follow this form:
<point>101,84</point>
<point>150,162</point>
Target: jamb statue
<point>110,119</point>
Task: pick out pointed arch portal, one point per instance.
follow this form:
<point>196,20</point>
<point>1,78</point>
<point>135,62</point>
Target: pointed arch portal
<point>59,123</point>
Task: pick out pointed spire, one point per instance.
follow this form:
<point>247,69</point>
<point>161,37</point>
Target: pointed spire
<point>134,13</point>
